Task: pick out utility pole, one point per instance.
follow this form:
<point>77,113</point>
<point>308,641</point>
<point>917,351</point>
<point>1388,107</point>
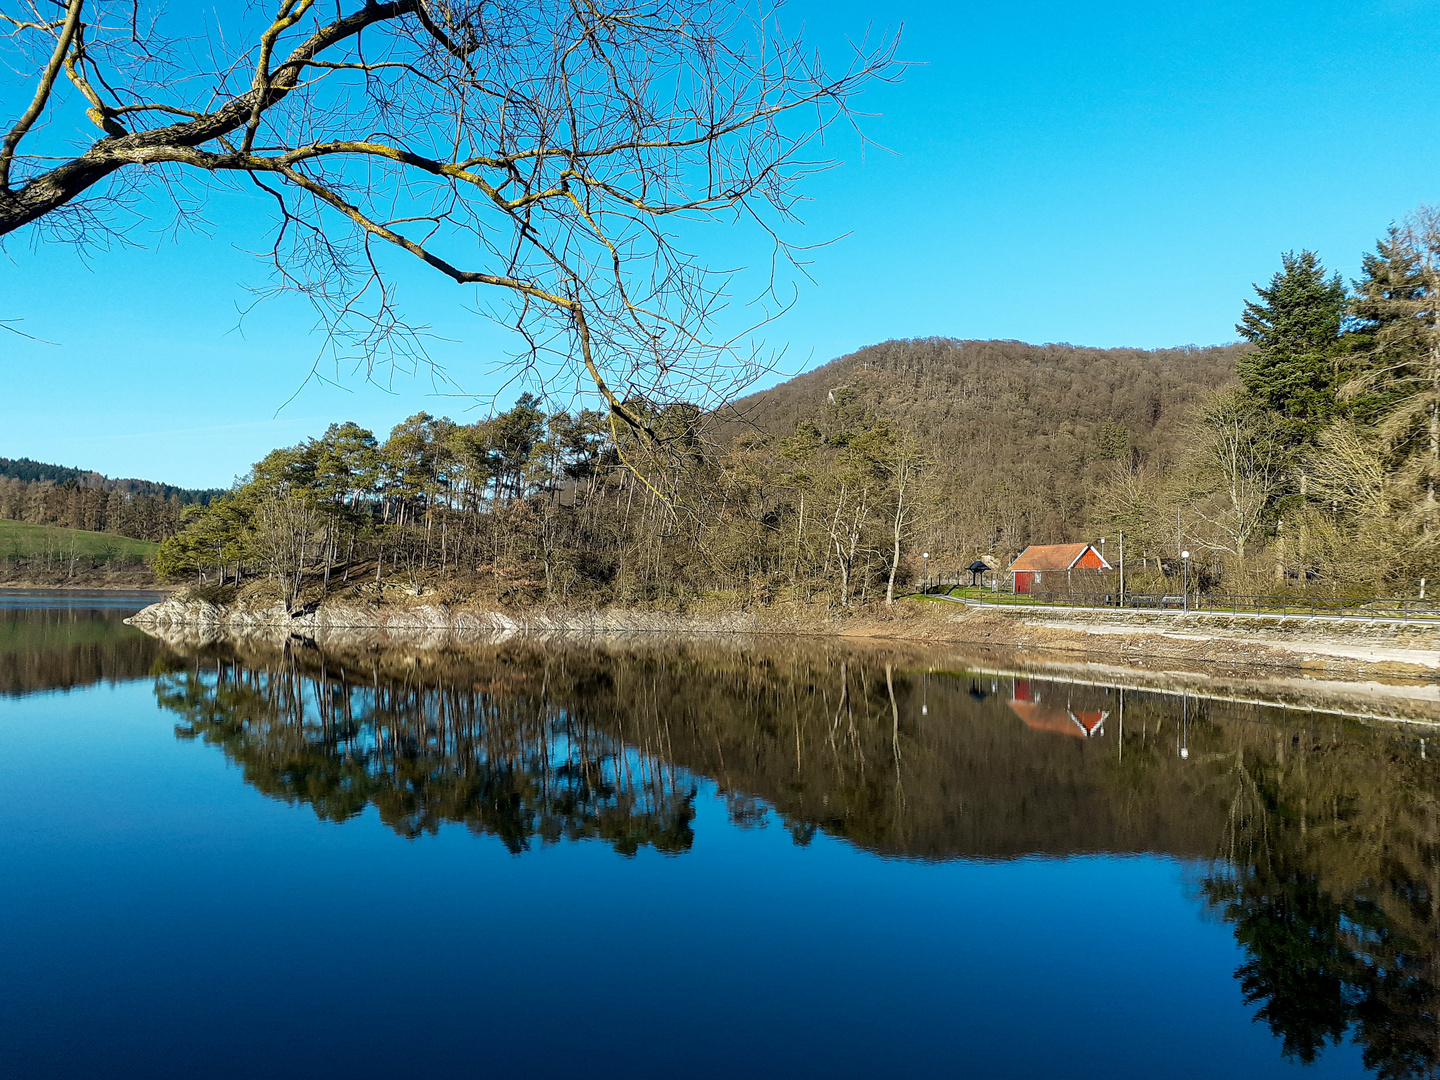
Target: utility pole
<point>1122,568</point>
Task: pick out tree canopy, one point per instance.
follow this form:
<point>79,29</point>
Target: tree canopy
<point>1295,328</point>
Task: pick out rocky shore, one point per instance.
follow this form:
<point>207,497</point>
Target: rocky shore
<point>204,619</point>
<point>1136,639</point>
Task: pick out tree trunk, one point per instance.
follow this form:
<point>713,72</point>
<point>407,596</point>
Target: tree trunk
<point>895,556</point>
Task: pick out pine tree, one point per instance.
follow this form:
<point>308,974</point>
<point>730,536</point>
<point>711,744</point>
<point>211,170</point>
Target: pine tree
<point>1382,328</point>
<point>1295,328</point>
<point>1398,309</point>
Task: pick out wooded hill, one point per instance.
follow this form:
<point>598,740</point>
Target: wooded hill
<point>29,472</point>
<point>1019,436</point>
<point>829,486</point>
<point>41,494</point>
<point>1309,454</point>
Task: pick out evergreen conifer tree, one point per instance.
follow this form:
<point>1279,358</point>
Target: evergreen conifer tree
<point>1383,330</point>
<point>1295,328</point>
<point>1398,308</point>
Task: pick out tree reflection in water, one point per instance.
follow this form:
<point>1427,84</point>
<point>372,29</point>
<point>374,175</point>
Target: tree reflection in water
<point>1319,836</point>
<point>1331,880</point>
<point>57,648</point>
<point>486,751</point>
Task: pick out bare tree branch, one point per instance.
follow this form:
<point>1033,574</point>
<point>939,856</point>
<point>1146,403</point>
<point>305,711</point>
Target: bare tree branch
<point>42,90</point>
<point>559,153</point>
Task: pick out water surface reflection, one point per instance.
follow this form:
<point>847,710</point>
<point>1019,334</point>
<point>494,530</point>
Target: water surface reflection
<point>1318,834</point>
<point>848,861</point>
<point>46,646</point>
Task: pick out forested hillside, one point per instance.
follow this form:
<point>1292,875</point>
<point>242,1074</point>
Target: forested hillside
<point>1020,438</point>
<point>28,471</point>
<point>1308,456</point>
<point>43,494</point>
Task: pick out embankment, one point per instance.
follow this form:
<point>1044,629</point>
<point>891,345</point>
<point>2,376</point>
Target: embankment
<point>1350,650</point>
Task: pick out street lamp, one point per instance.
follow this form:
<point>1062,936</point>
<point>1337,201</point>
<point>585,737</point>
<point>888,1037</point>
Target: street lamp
<point>1184,581</point>
<point>926,557</point>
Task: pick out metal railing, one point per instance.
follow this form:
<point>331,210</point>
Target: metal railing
<point>1237,604</point>
<point>1354,606</point>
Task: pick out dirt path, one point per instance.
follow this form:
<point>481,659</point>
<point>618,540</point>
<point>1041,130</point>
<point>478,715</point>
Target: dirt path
<point>1349,650</point>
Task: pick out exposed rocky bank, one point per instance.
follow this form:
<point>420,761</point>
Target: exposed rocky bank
<point>1139,639</point>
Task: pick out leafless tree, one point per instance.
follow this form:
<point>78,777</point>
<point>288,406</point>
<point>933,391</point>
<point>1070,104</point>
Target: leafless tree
<point>905,465</point>
<point>283,529</point>
<point>554,154</point>
<point>1238,472</point>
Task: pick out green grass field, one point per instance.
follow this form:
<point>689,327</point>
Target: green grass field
<point>21,541</point>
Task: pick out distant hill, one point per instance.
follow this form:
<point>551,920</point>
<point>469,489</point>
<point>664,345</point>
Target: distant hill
<point>30,471</point>
<point>1019,435</point>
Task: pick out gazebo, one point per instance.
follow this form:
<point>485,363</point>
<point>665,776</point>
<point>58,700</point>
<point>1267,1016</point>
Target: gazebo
<point>977,569</point>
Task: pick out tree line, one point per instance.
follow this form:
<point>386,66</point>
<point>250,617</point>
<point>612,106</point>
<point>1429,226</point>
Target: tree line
<point>537,506</point>
<point>1306,457</point>
<point>29,470</point>
<point>71,505</point>
<point>1320,462</point>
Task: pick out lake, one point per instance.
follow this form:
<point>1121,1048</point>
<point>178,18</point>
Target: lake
<point>698,859</point>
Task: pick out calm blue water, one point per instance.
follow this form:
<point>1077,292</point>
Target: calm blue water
<point>76,599</point>
<point>172,903</point>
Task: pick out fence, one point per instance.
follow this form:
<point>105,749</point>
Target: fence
<point>1372,607</point>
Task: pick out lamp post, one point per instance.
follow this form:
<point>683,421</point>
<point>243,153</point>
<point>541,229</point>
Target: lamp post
<point>926,557</point>
<point>1122,567</point>
<point>1185,581</point>
<point>1102,554</point>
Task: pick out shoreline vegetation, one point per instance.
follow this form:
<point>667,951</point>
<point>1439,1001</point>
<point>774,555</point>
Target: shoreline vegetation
<point>1304,461</point>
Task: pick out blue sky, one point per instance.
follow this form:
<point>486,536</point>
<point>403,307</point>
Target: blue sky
<point>1112,174</point>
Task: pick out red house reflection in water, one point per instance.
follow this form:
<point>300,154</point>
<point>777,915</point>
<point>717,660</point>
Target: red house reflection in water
<point>1059,718</point>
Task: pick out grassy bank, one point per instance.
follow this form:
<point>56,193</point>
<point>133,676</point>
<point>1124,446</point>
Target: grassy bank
<point>48,556</point>
<point>20,541</point>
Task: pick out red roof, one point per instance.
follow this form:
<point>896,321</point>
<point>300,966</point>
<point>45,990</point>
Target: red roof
<point>1054,557</point>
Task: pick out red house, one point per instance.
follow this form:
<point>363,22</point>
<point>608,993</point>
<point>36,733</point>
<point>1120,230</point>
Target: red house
<point>1038,560</point>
